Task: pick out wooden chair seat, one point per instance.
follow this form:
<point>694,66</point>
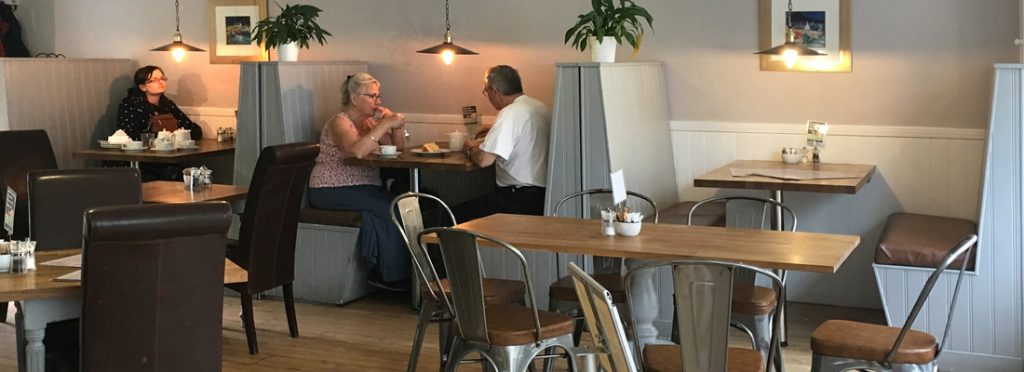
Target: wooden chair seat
<point>563,290</point>
<point>496,291</point>
<point>510,325</point>
<point>668,358</point>
<point>871,342</point>
<point>753,300</point>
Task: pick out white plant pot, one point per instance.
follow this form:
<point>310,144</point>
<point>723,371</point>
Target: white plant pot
<point>288,52</point>
<point>603,51</point>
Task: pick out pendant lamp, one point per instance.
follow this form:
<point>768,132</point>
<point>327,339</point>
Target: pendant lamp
<point>789,50</point>
<point>447,49</point>
<point>177,47</point>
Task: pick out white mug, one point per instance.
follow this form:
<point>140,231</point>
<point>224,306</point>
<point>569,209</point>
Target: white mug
<point>163,144</point>
<point>455,140</point>
<point>388,149</point>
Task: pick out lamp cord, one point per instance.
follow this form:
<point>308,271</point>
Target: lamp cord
<point>177,17</point>
<point>447,24</point>
<point>789,14</point>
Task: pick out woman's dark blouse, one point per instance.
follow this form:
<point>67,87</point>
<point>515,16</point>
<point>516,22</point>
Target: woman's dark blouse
<point>134,112</point>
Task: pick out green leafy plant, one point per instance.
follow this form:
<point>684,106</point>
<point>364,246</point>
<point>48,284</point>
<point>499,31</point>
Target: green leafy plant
<point>623,22</point>
<point>296,23</point>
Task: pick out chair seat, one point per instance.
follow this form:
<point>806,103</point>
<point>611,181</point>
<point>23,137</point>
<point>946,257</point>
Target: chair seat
<point>921,240</point>
<point>331,217</point>
<point>871,342</point>
<point>753,300</point>
<point>496,291</point>
<point>669,358</point>
<point>563,289</point>
<point>712,214</point>
<point>509,324</point>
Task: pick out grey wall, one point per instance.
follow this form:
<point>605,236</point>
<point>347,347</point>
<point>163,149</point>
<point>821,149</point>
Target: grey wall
<point>916,62</point>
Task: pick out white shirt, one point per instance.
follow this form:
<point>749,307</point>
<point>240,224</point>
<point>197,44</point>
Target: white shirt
<point>519,138</point>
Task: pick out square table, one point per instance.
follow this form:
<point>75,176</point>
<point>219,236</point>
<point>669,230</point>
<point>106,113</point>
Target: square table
<point>802,251</point>
<point>173,192</point>
<point>456,161</point>
<point>205,148</point>
<point>41,299</point>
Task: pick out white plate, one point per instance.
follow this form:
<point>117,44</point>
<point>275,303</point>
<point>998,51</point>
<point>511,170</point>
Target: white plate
<point>108,145</point>
<point>392,156</point>
<point>438,153</point>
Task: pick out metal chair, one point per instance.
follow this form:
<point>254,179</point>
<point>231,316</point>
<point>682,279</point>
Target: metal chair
<point>507,336</point>
<point>57,198</point>
<point>563,291</point>
<point>752,305</point>
<point>839,345</point>
<point>151,287</point>
<point>406,215</point>
<point>603,320</point>
<point>266,237</point>
<point>703,296</point>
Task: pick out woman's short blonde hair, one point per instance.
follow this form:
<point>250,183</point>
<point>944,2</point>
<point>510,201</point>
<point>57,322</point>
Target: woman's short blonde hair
<point>354,84</point>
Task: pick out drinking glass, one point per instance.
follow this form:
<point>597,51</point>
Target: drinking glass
<point>147,139</point>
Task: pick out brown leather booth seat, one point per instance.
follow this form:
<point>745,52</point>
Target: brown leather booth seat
<point>711,214</point>
<point>921,240</point>
<point>330,217</point>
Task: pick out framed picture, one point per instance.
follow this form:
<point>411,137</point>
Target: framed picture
<point>231,22</point>
<point>822,25</point>
<point>816,131</point>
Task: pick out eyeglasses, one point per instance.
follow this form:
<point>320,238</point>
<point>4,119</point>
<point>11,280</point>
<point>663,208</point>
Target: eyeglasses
<point>484,91</point>
<point>153,80</point>
<point>372,97</point>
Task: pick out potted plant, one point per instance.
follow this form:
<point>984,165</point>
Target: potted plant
<point>290,30</point>
<point>606,22</point>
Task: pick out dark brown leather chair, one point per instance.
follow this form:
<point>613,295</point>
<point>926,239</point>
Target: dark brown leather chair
<point>266,239</point>
<point>59,197</point>
<point>23,151</point>
<point>151,287</point>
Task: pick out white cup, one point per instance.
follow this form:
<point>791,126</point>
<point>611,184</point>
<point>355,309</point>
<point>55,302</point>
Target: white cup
<point>388,150</point>
<point>163,144</point>
<point>455,140</point>
<point>133,145</point>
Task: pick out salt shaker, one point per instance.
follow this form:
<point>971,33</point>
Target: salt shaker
<point>607,223</point>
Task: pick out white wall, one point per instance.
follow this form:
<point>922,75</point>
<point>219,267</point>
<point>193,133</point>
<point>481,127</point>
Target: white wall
<point>916,62</point>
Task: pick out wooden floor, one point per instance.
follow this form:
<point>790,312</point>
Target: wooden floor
<point>375,334</point>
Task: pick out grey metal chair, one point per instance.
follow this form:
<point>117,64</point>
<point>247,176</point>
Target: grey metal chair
<point>751,304</point>
<point>606,329</point>
<point>408,218</point>
<point>839,345</point>
<point>703,296</point>
<point>562,290</point>
<point>507,336</point>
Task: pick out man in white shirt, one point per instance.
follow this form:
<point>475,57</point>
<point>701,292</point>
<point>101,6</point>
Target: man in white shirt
<point>517,146</point>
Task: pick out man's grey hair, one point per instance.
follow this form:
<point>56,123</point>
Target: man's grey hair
<point>504,79</point>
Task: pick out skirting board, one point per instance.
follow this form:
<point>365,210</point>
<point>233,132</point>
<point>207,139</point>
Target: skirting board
<point>961,361</point>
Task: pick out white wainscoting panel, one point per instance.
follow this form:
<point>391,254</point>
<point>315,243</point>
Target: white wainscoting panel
<point>919,169</point>
<point>211,118</point>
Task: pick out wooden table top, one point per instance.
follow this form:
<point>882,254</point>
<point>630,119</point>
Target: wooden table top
<point>722,177</point>
<point>40,284</point>
<point>206,148</point>
<point>451,161</point>
<point>173,192</point>
<point>800,251</point>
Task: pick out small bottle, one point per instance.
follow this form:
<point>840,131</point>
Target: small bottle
<point>607,223</point>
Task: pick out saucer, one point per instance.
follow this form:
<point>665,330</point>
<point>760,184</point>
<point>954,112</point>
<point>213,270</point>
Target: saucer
<point>392,156</point>
<point>163,150</point>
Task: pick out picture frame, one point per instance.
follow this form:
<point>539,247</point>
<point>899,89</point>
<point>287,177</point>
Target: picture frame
<point>231,22</point>
<point>816,132</point>
<point>822,25</point>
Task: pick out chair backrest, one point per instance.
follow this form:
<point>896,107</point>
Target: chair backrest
<point>22,151</point>
<point>603,321</point>
<point>465,275</point>
<point>152,279</point>
<point>407,216</point>
<point>766,209</point>
<point>962,248</point>
<point>59,197</point>
<point>703,301</point>
<point>648,205</point>
<point>271,217</point>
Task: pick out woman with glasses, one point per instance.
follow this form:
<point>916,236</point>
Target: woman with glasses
<point>145,100</point>
<point>362,126</point>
